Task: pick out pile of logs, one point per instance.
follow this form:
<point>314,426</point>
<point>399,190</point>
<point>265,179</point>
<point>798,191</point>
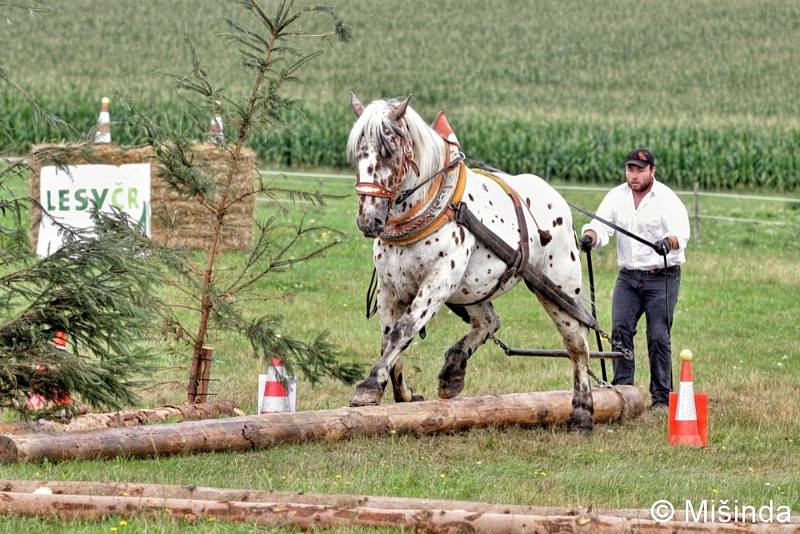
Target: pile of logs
<point>250,432</point>
<point>95,500</point>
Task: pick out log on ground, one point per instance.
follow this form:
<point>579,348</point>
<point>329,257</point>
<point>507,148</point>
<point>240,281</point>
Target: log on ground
<point>313,516</point>
<point>133,489</point>
<point>202,493</point>
<point>251,432</point>
<point>126,418</point>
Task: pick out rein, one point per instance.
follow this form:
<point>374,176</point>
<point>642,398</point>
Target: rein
<point>635,237</point>
<point>446,168</point>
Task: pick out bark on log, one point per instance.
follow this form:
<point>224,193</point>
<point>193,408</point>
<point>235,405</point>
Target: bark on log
<point>132,489</point>
<point>127,418</point>
<point>163,491</point>
<point>245,433</point>
<point>308,516</point>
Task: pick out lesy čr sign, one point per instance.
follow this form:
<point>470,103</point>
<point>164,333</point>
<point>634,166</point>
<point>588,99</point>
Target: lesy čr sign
<point>69,194</point>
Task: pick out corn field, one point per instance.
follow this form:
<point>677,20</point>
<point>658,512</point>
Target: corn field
<point>550,87</point>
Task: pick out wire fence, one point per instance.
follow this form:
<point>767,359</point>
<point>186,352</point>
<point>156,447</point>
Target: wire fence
<point>695,195</point>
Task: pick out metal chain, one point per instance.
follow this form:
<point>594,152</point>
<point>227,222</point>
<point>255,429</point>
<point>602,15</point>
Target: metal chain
<point>615,389</point>
<point>500,344</point>
<point>627,353</point>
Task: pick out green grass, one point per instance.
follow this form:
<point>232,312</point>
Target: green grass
<point>560,88</point>
<point>737,312</point>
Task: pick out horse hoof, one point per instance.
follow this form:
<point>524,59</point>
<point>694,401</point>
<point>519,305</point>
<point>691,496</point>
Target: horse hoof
<point>414,397</point>
<point>581,423</point>
<point>362,400</point>
<point>452,386</point>
<point>452,390</point>
<point>366,396</point>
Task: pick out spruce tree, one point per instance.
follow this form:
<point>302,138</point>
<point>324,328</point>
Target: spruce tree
<point>98,288</point>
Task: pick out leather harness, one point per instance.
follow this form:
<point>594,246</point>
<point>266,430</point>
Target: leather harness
<point>445,205</point>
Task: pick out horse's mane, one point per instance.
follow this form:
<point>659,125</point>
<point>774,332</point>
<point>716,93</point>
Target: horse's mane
<point>428,146</point>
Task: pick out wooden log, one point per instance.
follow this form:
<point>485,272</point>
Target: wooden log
<point>133,489</point>
<point>127,418</point>
<point>312,516</point>
<point>249,432</point>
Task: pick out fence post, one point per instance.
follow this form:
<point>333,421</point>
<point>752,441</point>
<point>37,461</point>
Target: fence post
<point>696,197</point>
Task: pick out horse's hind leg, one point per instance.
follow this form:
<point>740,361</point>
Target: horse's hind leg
<point>576,341</point>
<point>484,322</point>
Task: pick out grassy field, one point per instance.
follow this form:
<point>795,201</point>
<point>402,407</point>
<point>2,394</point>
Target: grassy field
<point>737,310</point>
<point>561,87</point>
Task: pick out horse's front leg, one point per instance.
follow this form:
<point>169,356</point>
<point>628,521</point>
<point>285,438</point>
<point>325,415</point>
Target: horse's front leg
<point>389,311</point>
<point>432,294</point>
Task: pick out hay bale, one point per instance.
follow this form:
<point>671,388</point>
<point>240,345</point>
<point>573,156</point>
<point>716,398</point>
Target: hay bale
<point>176,221</point>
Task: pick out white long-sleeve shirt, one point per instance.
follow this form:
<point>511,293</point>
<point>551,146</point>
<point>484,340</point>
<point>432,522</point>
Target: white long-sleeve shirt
<point>660,213</point>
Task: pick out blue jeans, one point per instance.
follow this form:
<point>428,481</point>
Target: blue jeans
<point>644,292</point>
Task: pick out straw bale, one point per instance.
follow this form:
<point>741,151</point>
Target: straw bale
<point>176,221</point>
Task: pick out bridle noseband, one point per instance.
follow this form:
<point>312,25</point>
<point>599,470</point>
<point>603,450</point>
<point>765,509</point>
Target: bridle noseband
<point>372,189</point>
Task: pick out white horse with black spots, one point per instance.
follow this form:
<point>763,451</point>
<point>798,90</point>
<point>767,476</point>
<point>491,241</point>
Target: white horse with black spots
<point>396,155</point>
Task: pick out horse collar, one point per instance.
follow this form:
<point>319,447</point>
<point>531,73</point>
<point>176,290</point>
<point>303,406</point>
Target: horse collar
<point>447,189</point>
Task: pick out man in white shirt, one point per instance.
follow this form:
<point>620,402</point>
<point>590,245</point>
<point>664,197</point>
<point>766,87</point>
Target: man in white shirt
<point>651,210</point>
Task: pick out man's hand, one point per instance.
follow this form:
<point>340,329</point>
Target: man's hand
<point>663,246</point>
<point>586,243</point>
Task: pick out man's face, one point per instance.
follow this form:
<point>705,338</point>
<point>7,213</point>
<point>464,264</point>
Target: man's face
<point>639,178</point>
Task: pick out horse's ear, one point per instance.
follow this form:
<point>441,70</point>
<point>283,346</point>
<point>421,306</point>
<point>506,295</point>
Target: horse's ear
<point>398,112</point>
<point>355,103</point>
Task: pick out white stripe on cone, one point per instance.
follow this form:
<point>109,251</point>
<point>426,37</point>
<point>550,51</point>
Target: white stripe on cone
<point>686,409</point>
<point>268,403</point>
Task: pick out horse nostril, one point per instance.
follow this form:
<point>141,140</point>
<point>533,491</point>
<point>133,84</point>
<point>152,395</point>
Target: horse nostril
<point>377,223</point>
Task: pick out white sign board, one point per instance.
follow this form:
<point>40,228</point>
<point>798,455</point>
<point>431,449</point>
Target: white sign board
<point>69,195</point>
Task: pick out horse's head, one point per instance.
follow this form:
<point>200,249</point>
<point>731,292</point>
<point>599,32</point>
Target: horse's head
<point>381,149</point>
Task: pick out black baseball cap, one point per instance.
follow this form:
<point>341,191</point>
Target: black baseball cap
<point>641,157</point>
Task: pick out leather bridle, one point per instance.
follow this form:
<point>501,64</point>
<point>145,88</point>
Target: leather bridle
<point>371,189</point>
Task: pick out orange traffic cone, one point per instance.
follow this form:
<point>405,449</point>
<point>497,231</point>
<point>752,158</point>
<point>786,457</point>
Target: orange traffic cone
<point>103,131</point>
<point>60,340</point>
<point>279,390</point>
<point>688,412</point>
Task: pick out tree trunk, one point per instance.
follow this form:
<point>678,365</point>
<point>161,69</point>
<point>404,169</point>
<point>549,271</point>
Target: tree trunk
<point>199,376</point>
<point>246,433</point>
<point>312,516</point>
<point>128,418</point>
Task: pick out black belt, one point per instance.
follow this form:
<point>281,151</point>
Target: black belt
<point>675,269</point>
